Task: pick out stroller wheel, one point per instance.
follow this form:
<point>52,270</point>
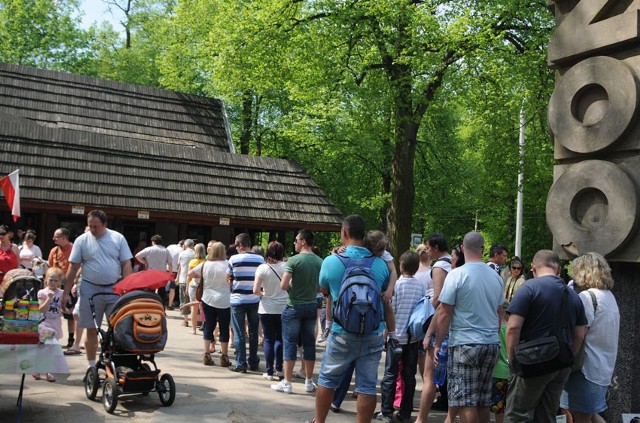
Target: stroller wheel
<point>110,395</point>
<point>166,388</point>
<point>91,383</point>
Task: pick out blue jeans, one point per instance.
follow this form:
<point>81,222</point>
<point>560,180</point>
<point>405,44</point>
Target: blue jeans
<point>272,332</point>
<point>345,348</point>
<point>238,314</point>
<point>299,322</point>
<point>409,359</point>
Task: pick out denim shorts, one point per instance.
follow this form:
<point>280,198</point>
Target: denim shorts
<point>299,323</point>
<point>582,395</point>
<point>344,348</point>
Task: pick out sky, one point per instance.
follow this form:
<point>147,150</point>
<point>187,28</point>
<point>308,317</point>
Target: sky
<point>96,11</point>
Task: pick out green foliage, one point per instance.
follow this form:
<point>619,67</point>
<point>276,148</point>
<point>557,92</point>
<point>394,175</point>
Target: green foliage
<point>45,34</point>
<point>396,108</point>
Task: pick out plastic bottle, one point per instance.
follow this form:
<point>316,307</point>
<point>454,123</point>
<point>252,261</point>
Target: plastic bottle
<point>440,372</point>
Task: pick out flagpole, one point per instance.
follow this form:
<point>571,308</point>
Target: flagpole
<point>520,207</point>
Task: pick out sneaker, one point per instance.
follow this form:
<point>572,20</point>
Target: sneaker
<point>282,386</point>
<point>334,408</point>
<point>207,360</point>
<point>299,374</point>
<point>279,375</point>
<point>381,417</point>
<point>267,376</point>
<point>224,360</point>
<point>309,385</point>
<point>238,369</point>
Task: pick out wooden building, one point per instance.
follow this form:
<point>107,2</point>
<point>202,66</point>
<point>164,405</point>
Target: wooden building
<point>156,161</point>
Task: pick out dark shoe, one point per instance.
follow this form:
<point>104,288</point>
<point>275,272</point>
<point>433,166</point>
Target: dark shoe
<point>170,308</point>
<point>238,369</point>
<point>207,360</point>
<point>70,343</point>
<point>335,409</point>
<point>381,417</point>
<point>397,418</point>
<point>253,368</point>
<point>224,361</point>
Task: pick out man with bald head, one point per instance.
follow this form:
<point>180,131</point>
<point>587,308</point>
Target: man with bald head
<point>470,302</point>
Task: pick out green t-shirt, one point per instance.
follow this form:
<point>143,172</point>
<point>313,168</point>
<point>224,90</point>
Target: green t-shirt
<point>305,272</point>
<point>501,369</point>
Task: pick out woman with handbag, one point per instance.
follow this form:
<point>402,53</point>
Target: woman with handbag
<point>585,391</point>
<point>215,300</point>
<point>273,300</point>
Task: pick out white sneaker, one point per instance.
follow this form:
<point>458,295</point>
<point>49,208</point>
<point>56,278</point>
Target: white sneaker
<point>309,385</point>
<point>267,376</point>
<point>282,386</point>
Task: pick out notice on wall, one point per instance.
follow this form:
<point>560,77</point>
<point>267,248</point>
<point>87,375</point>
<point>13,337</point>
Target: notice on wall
<point>77,210</point>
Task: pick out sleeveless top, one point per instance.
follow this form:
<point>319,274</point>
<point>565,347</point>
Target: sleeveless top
<point>8,260</point>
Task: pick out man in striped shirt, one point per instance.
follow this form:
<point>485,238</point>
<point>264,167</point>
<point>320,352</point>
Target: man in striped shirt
<point>244,303</point>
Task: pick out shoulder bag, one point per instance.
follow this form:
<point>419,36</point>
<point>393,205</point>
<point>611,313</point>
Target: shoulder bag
<point>200,288</point>
<point>547,354</point>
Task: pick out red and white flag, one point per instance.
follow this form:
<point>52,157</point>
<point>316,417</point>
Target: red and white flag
<point>10,184</point>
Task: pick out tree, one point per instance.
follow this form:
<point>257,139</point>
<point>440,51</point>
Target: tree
<point>45,34</point>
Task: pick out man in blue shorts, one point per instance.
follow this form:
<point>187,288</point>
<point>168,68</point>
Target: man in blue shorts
<point>105,258</point>
<point>470,302</point>
<point>344,348</point>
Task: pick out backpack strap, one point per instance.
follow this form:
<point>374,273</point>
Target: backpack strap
<point>347,260</point>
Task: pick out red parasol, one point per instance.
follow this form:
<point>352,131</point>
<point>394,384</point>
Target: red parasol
<point>146,279</point>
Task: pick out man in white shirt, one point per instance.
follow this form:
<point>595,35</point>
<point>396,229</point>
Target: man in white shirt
<point>174,250</point>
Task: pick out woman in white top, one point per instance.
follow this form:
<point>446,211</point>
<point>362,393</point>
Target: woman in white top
<point>424,271</point>
<point>29,251</point>
<point>584,393</point>
<point>216,301</point>
<point>272,301</point>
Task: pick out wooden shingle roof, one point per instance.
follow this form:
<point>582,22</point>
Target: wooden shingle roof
<point>68,101</point>
<point>69,166</point>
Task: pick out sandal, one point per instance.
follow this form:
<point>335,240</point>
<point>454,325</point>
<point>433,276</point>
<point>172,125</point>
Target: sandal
<point>36,376</point>
<point>212,348</point>
<point>72,351</point>
<point>50,378</point>
<point>185,323</point>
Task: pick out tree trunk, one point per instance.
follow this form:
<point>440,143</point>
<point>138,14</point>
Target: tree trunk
<point>402,185</point>
<point>247,122</point>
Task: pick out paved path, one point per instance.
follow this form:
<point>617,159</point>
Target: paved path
<point>204,394</point>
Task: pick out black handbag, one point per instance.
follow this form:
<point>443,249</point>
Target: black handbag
<point>544,355</point>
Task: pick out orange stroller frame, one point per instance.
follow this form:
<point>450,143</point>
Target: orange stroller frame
<point>137,330</point>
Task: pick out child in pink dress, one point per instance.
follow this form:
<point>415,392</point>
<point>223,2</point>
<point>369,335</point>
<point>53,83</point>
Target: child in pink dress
<point>50,299</point>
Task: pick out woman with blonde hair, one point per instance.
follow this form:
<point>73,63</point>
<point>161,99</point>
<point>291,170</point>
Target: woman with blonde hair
<point>216,301</point>
<point>585,390</point>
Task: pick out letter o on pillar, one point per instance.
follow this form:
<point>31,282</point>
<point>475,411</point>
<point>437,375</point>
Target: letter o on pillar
<point>593,105</point>
<point>594,205</point>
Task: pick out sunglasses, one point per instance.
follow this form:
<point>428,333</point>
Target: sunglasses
<point>3,233</point>
<point>516,268</point>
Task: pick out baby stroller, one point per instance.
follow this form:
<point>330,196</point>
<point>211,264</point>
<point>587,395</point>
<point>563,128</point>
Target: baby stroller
<point>137,330</point>
<point>20,284</point>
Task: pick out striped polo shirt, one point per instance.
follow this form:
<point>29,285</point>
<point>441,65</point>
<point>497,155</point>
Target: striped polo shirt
<point>243,268</point>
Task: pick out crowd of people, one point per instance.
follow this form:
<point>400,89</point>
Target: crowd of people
<point>487,313</point>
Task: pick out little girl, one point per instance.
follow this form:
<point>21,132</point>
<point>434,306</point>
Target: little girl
<point>50,299</point>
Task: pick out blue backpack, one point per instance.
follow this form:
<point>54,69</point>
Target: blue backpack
<point>358,308</point>
<point>420,319</point>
